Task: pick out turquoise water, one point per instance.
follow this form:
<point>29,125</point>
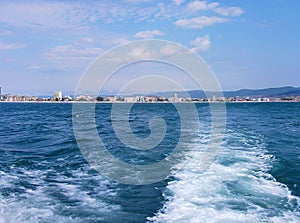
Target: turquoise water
<point>254,178</point>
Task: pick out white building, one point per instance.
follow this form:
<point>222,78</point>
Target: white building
<point>57,96</point>
<point>175,98</point>
<point>131,99</point>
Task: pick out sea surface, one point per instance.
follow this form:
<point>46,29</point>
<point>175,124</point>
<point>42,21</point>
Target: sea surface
<point>255,176</point>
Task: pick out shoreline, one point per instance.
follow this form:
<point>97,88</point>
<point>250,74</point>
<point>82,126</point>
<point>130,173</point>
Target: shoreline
<point>108,102</point>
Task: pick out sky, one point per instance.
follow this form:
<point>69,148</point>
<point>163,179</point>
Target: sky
<point>46,46</point>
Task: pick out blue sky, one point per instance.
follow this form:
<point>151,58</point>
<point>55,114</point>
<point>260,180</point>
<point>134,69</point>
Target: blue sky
<point>47,45</point>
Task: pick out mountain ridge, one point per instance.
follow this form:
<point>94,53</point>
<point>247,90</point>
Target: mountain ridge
<point>286,91</point>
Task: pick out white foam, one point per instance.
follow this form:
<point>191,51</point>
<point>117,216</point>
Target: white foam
<point>241,190</point>
<point>38,203</point>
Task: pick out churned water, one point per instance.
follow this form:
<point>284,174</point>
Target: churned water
<point>254,178</point>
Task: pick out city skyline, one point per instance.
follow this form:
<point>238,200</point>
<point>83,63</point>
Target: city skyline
<point>47,45</point>
<point>284,92</point>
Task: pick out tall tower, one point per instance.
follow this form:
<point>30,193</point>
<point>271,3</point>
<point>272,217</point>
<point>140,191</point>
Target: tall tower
<point>175,96</point>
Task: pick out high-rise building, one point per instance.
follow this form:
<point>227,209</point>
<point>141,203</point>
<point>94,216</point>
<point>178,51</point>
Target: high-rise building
<point>57,95</point>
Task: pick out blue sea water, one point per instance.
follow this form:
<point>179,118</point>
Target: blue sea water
<point>255,176</point>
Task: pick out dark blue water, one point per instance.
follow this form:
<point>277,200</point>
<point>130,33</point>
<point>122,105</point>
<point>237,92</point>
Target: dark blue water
<point>254,178</point>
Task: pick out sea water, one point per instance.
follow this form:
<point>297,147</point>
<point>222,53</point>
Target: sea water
<point>255,176</point>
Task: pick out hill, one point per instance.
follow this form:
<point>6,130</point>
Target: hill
<point>287,91</point>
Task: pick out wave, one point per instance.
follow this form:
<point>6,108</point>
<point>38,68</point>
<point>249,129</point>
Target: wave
<point>236,187</point>
<point>43,195</point>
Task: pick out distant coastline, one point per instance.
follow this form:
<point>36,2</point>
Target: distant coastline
<point>281,94</point>
<point>156,102</point>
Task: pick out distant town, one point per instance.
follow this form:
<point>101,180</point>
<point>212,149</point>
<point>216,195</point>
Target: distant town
<point>58,97</point>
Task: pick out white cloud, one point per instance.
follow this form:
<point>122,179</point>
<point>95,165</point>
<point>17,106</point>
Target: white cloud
<point>87,40</point>
<point>116,41</point>
<point>145,51</point>
<point>71,14</point>
<point>201,44</point>
<point>148,34</point>
<point>169,50</point>
<point>137,1</point>
<point>40,14</point>
<point>78,16</point>
<point>73,52</point>
<point>215,6</point>
<point>179,2</point>
<point>11,46</point>
<point>202,5</point>
<point>78,54</point>
<point>229,11</point>
<point>140,53</point>
<point>199,22</point>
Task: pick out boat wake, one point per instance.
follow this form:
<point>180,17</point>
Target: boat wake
<point>235,188</point>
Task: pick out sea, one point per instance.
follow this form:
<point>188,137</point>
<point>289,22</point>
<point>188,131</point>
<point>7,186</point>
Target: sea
<point>254,177</point>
